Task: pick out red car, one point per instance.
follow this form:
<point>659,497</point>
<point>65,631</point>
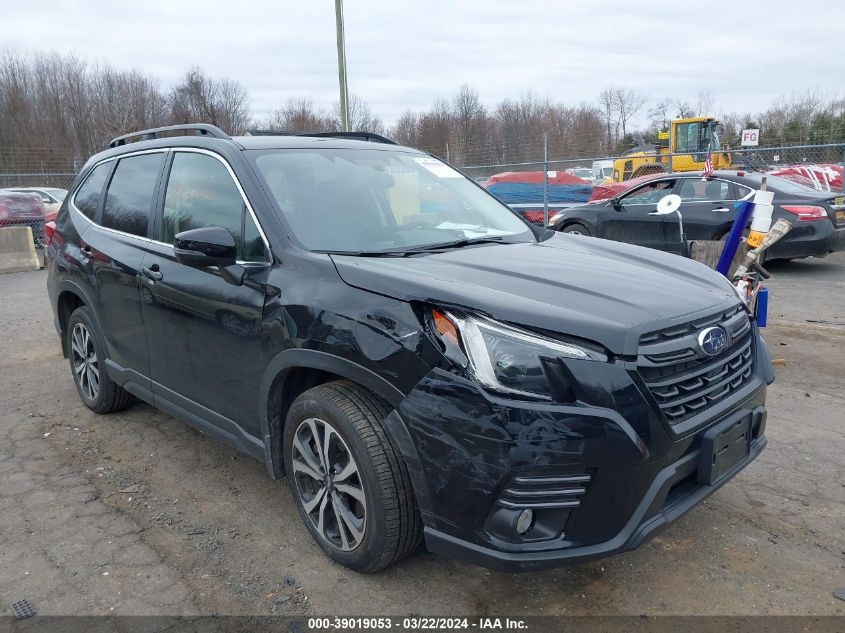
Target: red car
<point>23,209</point>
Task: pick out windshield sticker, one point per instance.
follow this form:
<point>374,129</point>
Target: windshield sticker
<point>439,169</point>
<point>472,230</point>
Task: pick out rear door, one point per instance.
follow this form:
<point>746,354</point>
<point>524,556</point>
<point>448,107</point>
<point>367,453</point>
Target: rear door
<point>631,221</point>
<point>113,249</point>
<point>204,333</point>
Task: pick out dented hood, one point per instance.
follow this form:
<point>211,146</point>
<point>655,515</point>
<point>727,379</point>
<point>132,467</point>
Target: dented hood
<point>603,291</point>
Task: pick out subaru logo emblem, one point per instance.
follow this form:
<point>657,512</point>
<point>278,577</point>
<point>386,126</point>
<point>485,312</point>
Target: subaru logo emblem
<point>712,340</point>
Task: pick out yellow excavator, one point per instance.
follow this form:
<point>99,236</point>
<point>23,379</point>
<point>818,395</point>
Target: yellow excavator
<point>689,137</point>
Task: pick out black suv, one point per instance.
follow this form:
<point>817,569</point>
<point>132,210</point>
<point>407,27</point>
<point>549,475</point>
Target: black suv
<point>417,359</point>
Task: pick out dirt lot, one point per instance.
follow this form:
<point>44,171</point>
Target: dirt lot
<point>136,513</point>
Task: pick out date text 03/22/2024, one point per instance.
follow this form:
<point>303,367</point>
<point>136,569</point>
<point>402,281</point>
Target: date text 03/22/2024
<point>416,623</point>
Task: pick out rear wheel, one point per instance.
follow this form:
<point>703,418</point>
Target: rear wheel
<point>87,363</point>
<point>350,484</point>
<point>576,229</point>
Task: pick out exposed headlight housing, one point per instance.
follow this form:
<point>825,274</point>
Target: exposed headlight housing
<point>504,358</point>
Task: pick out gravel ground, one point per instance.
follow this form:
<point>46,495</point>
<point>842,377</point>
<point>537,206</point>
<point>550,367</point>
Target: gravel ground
<point>136,513</point>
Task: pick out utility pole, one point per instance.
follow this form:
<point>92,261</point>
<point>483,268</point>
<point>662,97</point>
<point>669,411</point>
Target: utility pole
<point>341,66</point>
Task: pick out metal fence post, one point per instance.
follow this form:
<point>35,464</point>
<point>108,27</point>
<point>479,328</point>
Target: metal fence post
<point>545,180</point>
<point>842,188</point>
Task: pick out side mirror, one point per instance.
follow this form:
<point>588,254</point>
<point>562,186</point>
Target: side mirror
<point>207,246</point>
<point>616,203</point>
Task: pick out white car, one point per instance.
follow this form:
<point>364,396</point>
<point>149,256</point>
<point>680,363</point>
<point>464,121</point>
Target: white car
<point>584,173</point>
<point>52,197</point>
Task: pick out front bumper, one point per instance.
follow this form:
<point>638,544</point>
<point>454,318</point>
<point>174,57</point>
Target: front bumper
<point>657,510</point>
<point>469,447</point>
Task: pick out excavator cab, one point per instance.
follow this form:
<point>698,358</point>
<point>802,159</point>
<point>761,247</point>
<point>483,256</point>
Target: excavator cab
<point>696,136</point>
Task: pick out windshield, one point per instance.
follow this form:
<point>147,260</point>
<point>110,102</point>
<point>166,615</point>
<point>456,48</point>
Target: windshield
<point>360,200</point>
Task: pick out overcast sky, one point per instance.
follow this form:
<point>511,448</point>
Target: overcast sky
<point>402,54</point>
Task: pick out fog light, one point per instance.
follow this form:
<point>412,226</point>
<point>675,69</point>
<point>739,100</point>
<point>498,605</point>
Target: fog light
<point>525,521</point>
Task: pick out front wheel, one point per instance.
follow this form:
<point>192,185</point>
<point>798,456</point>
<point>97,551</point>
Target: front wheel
<point>576,229</point>
<point>350,484</point>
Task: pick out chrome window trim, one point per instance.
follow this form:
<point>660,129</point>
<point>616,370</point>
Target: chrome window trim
<point>147,240</point>
<point>103,162</point>
<point>197,150</point>
<point>729,182</point>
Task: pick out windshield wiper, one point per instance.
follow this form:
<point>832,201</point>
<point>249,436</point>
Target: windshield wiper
<point>371,253</point>
<point>468,241</point>
<point>416,250</point>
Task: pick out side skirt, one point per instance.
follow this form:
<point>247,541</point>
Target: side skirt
<point>201,418</point>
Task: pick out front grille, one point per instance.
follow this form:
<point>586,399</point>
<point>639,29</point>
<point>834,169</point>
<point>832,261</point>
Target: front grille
<point>539,491</point>
<point>685,383</point>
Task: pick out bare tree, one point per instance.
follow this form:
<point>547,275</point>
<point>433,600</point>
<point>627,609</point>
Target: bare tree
<point>607,105</point>
<point>684,109</point>
<point>299,114</point>
<point>361,117</point>
<point>469,119</point>
<point>221,102</point>
<point>661,113</point>
<point>406,129</point>
<point>627,104</point>
<point>704,103</point>
<point>435,128</point>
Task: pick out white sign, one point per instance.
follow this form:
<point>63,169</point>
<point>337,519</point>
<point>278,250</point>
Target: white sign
<point>441,170</point>
<point>750,138</point>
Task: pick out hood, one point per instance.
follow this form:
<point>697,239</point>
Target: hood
<point>595,289</point>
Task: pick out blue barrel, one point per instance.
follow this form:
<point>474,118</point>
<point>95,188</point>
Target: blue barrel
<point>762,306</point>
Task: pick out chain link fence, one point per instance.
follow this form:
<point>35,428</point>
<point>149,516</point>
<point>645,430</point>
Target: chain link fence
<point>551,177</point>
<point>537,188</point>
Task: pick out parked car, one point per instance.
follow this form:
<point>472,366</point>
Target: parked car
<point>818,218</point>
<point>584,173</point>
<point>52,198</point>
<point>23,209</point>
<point>401,353</point>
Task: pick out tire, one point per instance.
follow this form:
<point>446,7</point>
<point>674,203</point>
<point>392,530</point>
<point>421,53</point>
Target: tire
<point>381,520</point>
<point>86,353</point>
<point>576,229</point>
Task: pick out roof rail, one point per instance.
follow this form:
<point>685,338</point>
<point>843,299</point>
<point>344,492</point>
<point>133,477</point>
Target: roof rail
<point>200,129</point>
<point>361,136</point>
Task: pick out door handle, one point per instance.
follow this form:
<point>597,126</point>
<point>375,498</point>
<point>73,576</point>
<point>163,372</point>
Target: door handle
<point>153,273</point>
<point>721,210</point>
<point>86,250</point>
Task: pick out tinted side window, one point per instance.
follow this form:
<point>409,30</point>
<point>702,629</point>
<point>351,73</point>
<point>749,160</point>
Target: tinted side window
<point>200,193</point>
<point>129,198</point>
<point>650,193</point>
<point>87,198</point>
<point>705,190</point>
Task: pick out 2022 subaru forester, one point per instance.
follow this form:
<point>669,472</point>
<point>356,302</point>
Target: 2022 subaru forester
<point>418,360</point>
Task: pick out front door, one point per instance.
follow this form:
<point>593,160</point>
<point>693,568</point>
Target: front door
<point>707,207</point>
<point>205,333</point>
<point>631,220</point>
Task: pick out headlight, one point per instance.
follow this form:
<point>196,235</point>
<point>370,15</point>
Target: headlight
<point>504,358</point>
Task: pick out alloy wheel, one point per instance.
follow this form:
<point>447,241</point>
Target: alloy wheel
<point>328,484</point>
<point>86,368</point>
